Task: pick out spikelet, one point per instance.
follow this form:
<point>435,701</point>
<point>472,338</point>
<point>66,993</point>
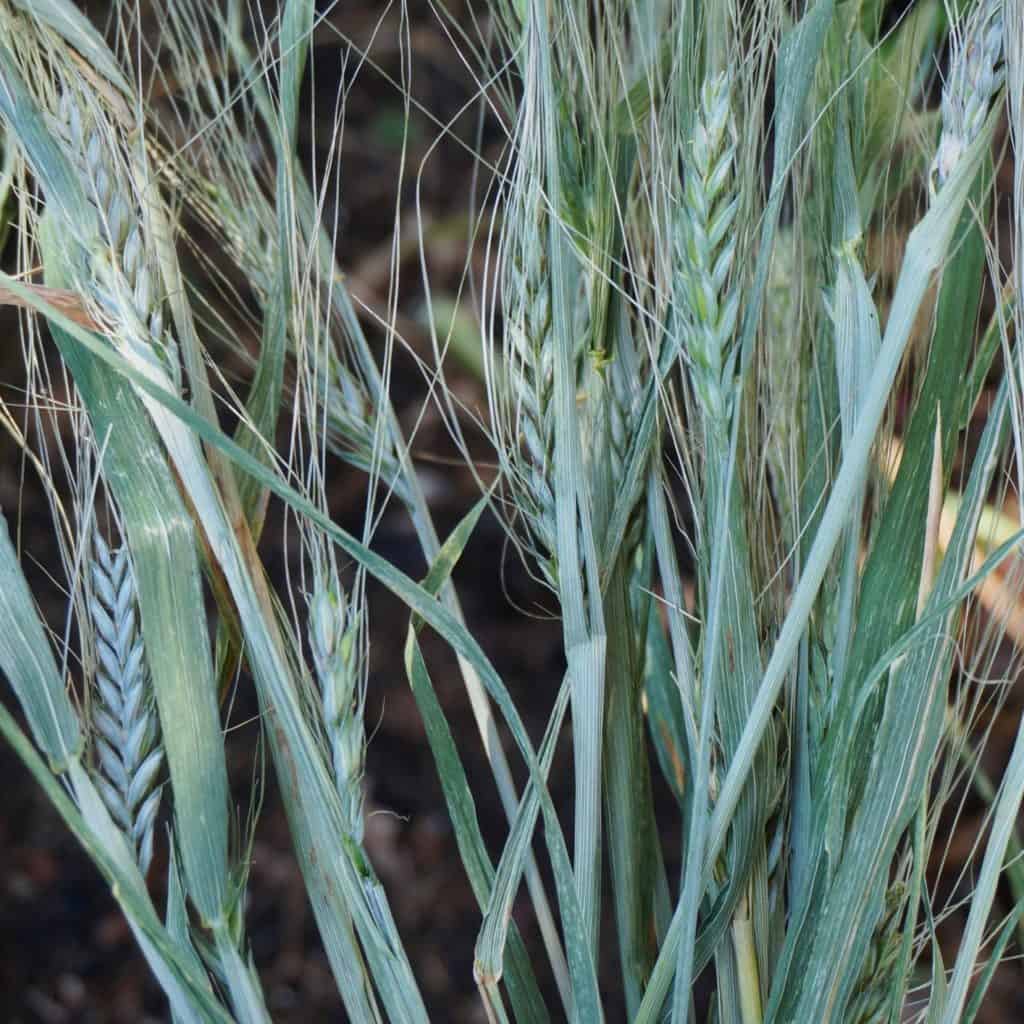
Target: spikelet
<point>127,747</point>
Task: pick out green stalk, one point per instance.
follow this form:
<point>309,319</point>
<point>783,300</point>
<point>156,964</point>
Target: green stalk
<point>422,522</point>
<point>928,240</point>
<point>632,831</point>
<point>746,965</point>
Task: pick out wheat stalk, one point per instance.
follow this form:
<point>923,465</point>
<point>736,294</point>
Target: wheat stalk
<point>127,733</point>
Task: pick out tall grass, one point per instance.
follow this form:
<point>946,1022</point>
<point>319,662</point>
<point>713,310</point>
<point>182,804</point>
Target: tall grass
<point>735,257</point>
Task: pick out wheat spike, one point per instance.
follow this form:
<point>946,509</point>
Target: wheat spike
<point>872,995</point>
<point>121,282</point>
<point>333,637</point>
<point>531,384</point>
<point>128,751</point>
<point>350,434</point>
<point>707,248</point>
<point>974,78</point>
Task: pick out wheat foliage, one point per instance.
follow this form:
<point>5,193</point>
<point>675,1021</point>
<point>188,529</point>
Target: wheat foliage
<point>732,258</point>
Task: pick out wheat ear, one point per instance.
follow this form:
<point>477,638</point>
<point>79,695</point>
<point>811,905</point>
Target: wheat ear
<point>707,248</point>
<point>127,733</point>
<point>975,76</point>
<point>334,639</point>
<point>530,384</point>
<point>351,435</point>
<point>120,281</point>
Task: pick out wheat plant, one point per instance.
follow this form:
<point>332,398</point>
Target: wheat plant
<point>734,257</point>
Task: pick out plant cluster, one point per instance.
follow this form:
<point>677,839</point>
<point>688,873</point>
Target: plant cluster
<point>698,364</point>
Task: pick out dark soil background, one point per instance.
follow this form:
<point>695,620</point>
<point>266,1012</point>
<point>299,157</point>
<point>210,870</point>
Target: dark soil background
<point>65,952</point>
